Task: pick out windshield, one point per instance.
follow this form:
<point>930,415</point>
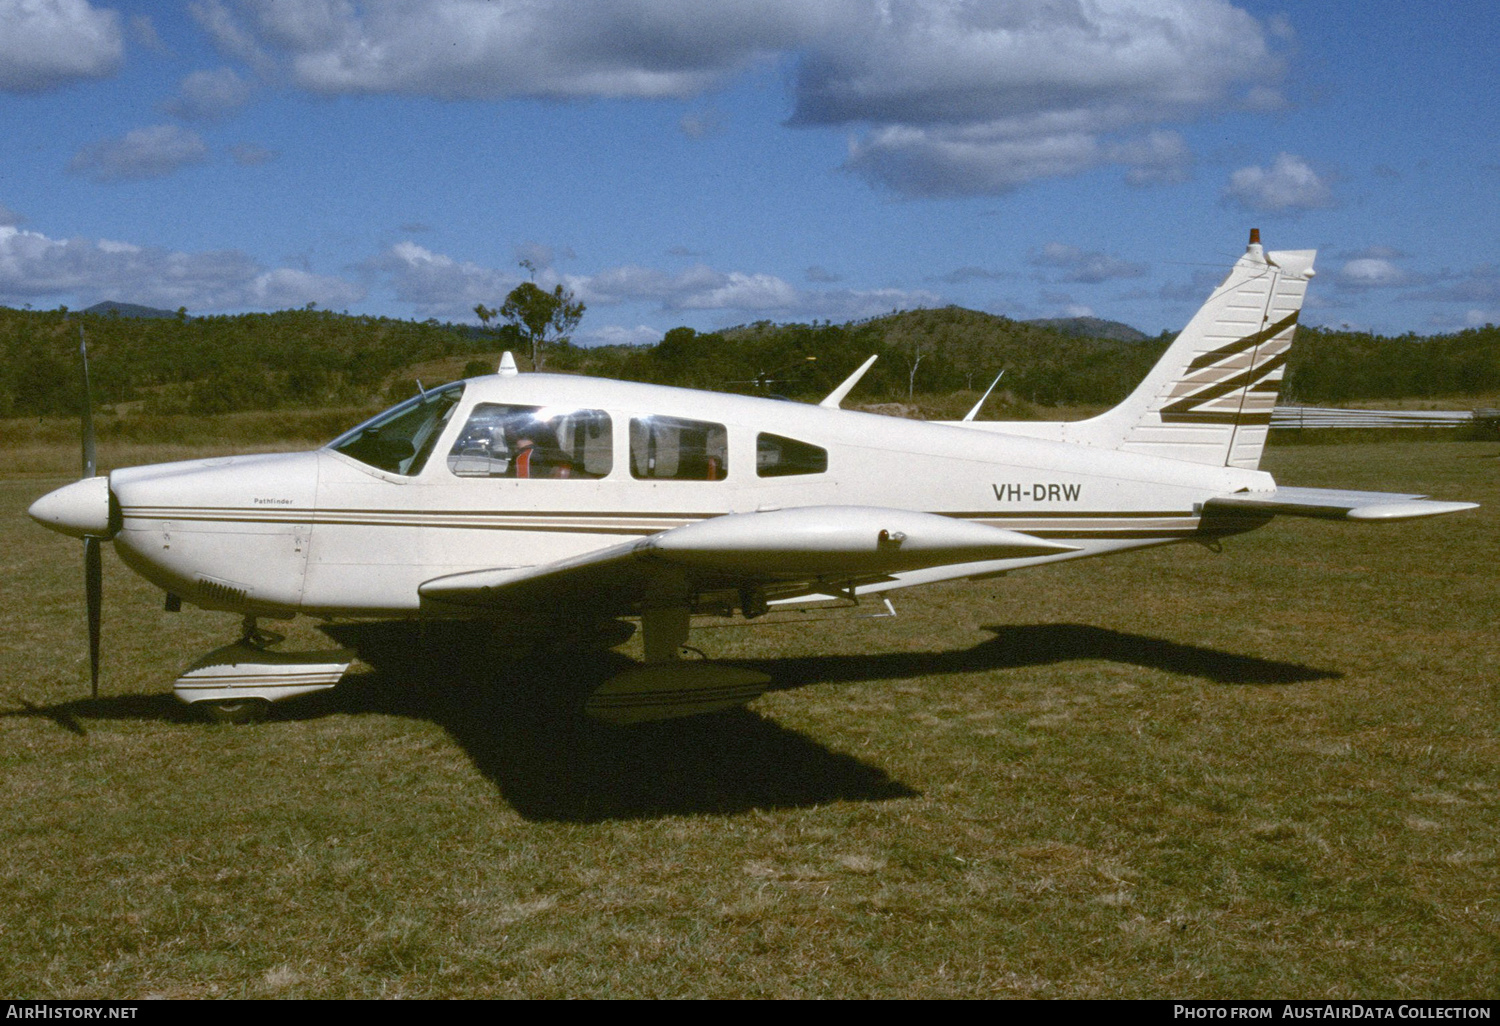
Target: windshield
<point>400,439</point>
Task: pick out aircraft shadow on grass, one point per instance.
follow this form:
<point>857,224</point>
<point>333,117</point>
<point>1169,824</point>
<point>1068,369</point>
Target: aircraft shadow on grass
<point>1016,647</point>
<point>520,721</point>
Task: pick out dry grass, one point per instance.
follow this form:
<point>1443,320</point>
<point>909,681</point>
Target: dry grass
<point>1270,772</point>
<point>47,447</point>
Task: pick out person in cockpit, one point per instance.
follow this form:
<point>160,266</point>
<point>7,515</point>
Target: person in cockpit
<point>535,453</point>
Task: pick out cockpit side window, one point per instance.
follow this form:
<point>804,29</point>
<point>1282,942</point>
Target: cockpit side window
<point>777,456</point>
<point>500,440</point>
<point>670,448</point>
<point>400,440</point>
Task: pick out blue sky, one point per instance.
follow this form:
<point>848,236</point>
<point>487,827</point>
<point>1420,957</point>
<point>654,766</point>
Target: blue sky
<point>677,162</point>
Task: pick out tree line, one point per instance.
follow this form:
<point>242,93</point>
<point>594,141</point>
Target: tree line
<point>208,365</point>
<point>312,359</point>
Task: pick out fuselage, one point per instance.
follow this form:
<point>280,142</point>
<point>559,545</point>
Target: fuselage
<point>354,528</point>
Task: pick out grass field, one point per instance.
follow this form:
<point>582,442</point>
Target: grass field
<point>1272,771</point>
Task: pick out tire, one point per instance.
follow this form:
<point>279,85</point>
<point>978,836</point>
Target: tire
<point>236,710</point>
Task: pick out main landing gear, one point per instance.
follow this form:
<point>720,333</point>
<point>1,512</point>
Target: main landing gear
<point>667,686</point>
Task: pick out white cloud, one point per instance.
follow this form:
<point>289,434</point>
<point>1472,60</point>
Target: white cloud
<point>948,97</point>
<point>1372,273</point>
<point>736,290</point>
<point>1480,285</point>
<point>209,96</point>
<point>439,286</point>
<point>748,295</point>
<point>229,36</point>
<point>983,98</point>
<point>34,267</point>
<point>141,153</point>
<point>968,159</point>
<point>618,335</point>
<point>1378,252</point>
<point>1060,304</point>
<point>1086,267</point>
<point>1289,184</point>
<point>1160,158</point>
<point>965,275</point>
<point>285,287</point>
<point>542,256</point>
<point>143,29</point>
<point>45,44</point>
<point>544,48</point>
<point>921,62</point>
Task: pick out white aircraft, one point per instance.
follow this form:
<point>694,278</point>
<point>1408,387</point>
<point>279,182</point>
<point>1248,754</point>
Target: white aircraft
<point>558,503</point>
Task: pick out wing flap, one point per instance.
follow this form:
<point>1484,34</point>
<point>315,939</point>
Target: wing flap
<point>1332,504</point>
<point>806,544</point>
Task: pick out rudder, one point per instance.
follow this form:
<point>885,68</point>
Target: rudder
<point>1209,398</point>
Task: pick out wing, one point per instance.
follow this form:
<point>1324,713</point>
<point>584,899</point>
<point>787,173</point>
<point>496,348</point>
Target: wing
<point>1330,504</point>
<point>811,549</point>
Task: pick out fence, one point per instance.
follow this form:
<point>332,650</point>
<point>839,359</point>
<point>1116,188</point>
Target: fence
<point>1311,417</point>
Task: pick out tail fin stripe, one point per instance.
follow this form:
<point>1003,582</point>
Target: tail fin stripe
<point>1185,406</point>
<point>1240,345</point>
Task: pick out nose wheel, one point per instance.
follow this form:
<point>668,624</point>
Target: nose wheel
<point>235,710</point>
<point>243,710</point>
<point>238,683</point>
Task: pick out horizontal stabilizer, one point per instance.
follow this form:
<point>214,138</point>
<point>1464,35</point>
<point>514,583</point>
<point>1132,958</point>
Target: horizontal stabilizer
<point>1333,504</point>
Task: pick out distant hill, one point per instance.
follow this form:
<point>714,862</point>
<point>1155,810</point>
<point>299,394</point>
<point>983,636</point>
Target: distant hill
<point>933,351</point>
<point>114,308</point>
<point>1091,327</point>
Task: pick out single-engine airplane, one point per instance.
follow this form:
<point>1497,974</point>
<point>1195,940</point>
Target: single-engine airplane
<point>554,504</point>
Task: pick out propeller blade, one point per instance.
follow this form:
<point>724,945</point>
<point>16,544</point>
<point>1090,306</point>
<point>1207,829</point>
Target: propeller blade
<point>93,563</point>
<point>93,584</point>
<point>88,408</point>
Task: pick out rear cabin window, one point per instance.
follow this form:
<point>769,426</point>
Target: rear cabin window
<point>401,439</point>
<point>776,456</point>
<point>500,440</point>
<point>670,448</point>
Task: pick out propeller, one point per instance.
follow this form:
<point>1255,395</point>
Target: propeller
<point>93,562</point>
<point>84,509</point>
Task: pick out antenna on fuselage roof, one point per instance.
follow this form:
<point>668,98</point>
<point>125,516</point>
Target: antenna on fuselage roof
<point>975,411</point>
<point>507,365</point>
<point>837,395</point>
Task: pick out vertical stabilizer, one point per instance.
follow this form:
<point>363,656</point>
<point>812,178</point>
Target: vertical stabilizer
<point>1209,398</point>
